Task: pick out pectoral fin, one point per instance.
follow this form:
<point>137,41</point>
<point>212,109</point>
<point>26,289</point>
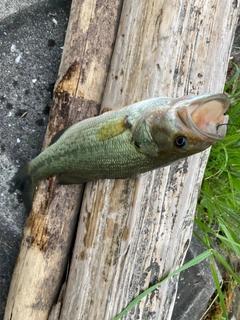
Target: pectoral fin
<point>113,128</point>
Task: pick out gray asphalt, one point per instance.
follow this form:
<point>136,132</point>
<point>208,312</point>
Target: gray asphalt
<point>32,35</point>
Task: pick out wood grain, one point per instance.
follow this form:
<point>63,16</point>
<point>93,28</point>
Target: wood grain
<point>132,233</point>
<point>51,225</point>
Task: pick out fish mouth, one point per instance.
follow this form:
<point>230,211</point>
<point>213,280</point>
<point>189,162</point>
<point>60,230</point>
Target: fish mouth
<point>205,114</point>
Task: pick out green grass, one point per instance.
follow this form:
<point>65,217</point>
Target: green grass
<point>210,253</point>
<point>218,214</point>
<point>217,217</point>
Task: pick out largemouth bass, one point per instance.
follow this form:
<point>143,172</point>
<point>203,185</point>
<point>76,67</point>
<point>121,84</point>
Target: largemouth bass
<point>131,140</point>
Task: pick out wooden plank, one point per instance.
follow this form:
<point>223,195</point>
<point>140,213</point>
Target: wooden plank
<point>132,233</point>
<point>52,222</point>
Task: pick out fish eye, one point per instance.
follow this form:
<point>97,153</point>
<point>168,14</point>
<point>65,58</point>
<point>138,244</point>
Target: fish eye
<point>180,142</point>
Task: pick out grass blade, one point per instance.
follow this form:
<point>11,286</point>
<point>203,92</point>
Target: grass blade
<point>187,265</point>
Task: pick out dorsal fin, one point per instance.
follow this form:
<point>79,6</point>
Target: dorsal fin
<point>104,109</point>
<point>68,179</point>
<point>57,136</point>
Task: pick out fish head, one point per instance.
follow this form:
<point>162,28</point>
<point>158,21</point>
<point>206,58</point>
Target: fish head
<point>189,125</point>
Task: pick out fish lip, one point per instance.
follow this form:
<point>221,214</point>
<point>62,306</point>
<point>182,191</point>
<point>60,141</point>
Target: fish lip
<point>198,102</point>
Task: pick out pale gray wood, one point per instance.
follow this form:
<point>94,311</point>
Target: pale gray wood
<point>132,233</point>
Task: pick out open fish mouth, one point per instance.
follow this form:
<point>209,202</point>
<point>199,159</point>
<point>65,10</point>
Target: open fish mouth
<point>206,115</point>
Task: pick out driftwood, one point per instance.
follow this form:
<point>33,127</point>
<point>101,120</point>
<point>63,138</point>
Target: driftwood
<point>51,224</point>
<point>131,233</point>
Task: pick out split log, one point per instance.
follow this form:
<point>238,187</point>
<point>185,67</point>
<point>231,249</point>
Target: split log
<point>132,233</point>
<point>52,222</point>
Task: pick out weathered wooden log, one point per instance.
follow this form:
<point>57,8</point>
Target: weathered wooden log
<point>52,222</point>
<point>132,233</point>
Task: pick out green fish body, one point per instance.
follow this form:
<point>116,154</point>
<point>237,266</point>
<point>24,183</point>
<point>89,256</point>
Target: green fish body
<point>128,141</point>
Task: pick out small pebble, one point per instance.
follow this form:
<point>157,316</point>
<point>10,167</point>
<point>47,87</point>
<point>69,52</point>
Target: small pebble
<point>17,60</point>
<point>13,48</point>
<point>54,21</point>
